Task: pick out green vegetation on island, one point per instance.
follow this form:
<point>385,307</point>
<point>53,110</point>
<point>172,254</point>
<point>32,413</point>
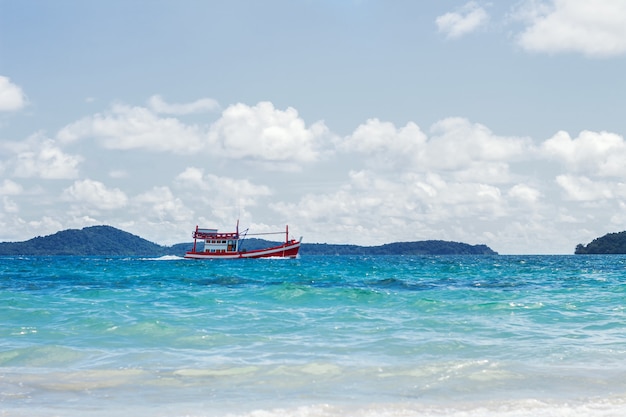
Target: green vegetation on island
<point>609,244</point>
<point>427,247</point>
<point>109,241</point>
<point>94,240</point>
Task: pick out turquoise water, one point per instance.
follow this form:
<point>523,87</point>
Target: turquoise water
<point>316,336</point>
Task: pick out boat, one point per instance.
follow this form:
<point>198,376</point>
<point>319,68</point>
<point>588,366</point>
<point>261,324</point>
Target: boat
<point>212,244</point>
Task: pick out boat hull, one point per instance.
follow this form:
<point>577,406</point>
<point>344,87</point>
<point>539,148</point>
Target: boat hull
<point>286,250</point>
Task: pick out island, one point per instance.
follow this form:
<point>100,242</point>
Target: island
<point>109,241</point>
<point>609,244</point>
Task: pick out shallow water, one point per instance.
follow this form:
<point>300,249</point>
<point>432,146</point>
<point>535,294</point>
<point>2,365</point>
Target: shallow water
<point>315,336</point>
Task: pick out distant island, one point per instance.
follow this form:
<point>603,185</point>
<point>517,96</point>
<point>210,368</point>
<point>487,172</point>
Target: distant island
<point>609,244</point>
<point>109,241</point>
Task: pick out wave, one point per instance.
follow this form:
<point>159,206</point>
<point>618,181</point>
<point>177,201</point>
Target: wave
<point>519,408</point>
<point>601,407</point>
<point>164,258</point>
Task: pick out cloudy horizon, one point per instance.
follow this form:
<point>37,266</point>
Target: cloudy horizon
<point>361,122</point>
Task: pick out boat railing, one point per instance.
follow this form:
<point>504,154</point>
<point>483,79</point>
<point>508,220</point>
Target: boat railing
<point>199,234</point>
<point>212,234</point>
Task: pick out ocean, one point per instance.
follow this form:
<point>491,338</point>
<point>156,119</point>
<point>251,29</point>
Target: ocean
<point>325,336</point>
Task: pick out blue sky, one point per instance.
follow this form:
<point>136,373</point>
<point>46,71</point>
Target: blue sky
<point>353,121</point>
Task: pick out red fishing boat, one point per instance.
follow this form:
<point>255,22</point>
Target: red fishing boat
<point>211,244</point>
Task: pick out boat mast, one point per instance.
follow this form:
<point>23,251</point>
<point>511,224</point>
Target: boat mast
<point>194,239</point>
<point>237,242</point>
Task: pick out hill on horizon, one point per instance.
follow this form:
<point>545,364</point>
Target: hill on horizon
<point>109,241</point>
<point>609,244</point>
<point>91,240</point>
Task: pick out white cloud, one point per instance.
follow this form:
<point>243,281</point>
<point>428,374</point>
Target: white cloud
<point>11,96</point>
<point>594,28</point>
<point>9,205</point>
<point>461,182</point>
<point>222,197</point>
<point>158,105</point>
<point>595,153</point>
<point>430,187</point>
<point>264,134</point>
<point>465,20</point>
<point>458,143</point>
<point>125,127</point>
<point>387,147</point>
<point>271,138</point>
<point>40,157</point>
<point>192,177</point>
<point>160,204</point>
<point>375,209</point>
<point>375,136</point>
<point>584,189</point>
<point>524,193</point>
<point>45,225</point>
<point>8,187</point>
<point>488,172</point>
<point>95,194</point>
<point>471,150</point>
<point>456,181</point>
<point>222,190</point>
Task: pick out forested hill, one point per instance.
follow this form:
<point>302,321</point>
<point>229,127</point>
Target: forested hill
<point>94,240</point>
<point>426,247</point>
<point>109,241</point>
<point>611,243</point>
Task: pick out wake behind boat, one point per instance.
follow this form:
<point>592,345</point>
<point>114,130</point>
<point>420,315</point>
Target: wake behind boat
<point>211,244</point>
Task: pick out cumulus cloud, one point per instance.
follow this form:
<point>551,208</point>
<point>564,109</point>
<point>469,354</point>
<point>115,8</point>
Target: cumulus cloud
<point>462,179</point>
<point>456,180</point>
<point>525,193</point>
<point>44,225</point>
<point>125,127</point>
<point>375,209</point>
<point>11,95</point>
<point>8,187</point>
<point>274,139</point>
<point>455,144</point>
<point>160,204</point>
<point>388,146</point>
<point>41,157</point>
<point>375,136</point>
<point>595,153</point>
<point>458,143</point>
<point>223,197</point>
<point>594,28</point>
<point>9,206</point>
<point>465,20</point>
<point>263,133</point>
<point>158,105</point>
<point>95,194</point>
<point>580,188</point>
<point>223,190</point>
<point>192,177</point>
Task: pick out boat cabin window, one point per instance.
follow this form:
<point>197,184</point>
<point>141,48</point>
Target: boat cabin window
<point>214,245</point>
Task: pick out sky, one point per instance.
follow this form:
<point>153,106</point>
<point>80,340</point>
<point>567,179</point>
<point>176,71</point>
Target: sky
<point>352,121</point>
